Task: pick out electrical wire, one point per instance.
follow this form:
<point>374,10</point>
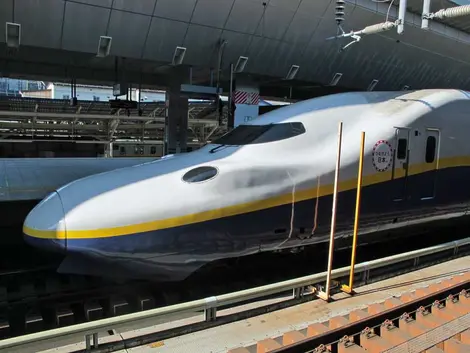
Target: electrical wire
<point>388,11</point>
<point>383,2</point>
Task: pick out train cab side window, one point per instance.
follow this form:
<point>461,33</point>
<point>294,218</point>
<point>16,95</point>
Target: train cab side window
<point>430,149</point>
<point>401,150</point>
<point>279,132</point>
<point>153,150</point>
<point>253,134</point>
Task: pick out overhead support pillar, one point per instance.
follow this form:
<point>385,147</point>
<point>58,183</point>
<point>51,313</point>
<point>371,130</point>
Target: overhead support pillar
<point>108,150</point>
<point>246,99</point>
<point>176,120</point>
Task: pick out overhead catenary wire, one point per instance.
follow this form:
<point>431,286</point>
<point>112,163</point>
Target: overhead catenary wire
<point>372,29</point>
<point>356,35</point>
<point>452,12</point>
<point>388,10</point>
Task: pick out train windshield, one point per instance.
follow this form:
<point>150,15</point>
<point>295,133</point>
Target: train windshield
<point>253,134</point>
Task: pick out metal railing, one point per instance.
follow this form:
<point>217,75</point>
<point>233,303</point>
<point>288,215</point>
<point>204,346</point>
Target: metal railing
<point>209,305</point>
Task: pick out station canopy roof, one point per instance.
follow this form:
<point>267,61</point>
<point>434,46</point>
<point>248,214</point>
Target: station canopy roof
<point>60,40</point>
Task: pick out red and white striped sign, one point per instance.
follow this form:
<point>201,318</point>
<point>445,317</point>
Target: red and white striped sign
<point>242,97</point>
<point>255,98</point>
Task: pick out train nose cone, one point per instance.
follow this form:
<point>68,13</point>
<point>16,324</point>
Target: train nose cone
<point>44,227</point>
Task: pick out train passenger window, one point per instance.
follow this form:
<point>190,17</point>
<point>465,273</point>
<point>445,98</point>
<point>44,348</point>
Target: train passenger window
<point>430,149</point>
<point>253,134</point>
<point>115,147</point>
<point>200,174</point>
<point>401,150</point>
<point>122,150</point>
<point>153,150</point>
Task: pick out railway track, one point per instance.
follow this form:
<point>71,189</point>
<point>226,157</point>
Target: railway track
<point>36,301</point>
<point>430,319</point>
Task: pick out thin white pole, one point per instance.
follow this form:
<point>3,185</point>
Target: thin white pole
<point>401,16</point>
<point>333,213</point>
<point>426,11</point>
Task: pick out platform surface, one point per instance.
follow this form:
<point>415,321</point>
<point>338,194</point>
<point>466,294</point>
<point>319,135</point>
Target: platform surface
<point>249,331</point>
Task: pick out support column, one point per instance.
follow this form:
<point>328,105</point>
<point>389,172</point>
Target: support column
<point>176,121</point>
<point>246,99</point>
<point>108,150</point>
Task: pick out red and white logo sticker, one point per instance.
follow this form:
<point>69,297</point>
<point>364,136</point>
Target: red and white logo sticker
<point>382,155</point>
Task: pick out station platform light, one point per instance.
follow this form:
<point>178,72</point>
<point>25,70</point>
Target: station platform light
<point>178,56</point>
<point>294,69</point>
<point>336,77</point>
<point>241,64</point>
<point>372,85</point>
<point>12,34</point>
<point>104,46</point>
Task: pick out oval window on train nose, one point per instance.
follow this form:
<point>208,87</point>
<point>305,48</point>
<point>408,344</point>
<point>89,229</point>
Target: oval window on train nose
<point>200,174</point>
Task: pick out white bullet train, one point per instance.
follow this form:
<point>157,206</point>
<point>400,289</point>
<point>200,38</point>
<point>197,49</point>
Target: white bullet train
<point>266,186</point>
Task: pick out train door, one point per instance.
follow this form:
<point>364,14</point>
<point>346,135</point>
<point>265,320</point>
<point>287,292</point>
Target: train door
<point>430,156</point>
<point>400,164</point>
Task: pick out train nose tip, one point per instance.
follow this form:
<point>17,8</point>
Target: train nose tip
<point>44,227</point>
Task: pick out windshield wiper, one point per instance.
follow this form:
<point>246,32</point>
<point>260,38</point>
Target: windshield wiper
<point>213,150</point>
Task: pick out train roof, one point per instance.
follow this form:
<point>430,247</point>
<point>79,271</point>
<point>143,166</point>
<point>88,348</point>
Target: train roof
<point>381,103</point>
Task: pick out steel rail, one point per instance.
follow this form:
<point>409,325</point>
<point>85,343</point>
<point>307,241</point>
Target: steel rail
<point>209,305</point>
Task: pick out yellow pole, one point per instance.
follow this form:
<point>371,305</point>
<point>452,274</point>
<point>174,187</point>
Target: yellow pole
<point>349,289</point>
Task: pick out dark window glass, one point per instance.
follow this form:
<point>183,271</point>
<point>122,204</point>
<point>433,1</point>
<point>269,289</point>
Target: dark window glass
<point>200,174</point>
<point>122,150</point>
<point>430,149</point>
<point>138,150</point>
<point>402,146</point>
<point>153,150</point>
<point>253,134</point>
<point>115,147</point>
